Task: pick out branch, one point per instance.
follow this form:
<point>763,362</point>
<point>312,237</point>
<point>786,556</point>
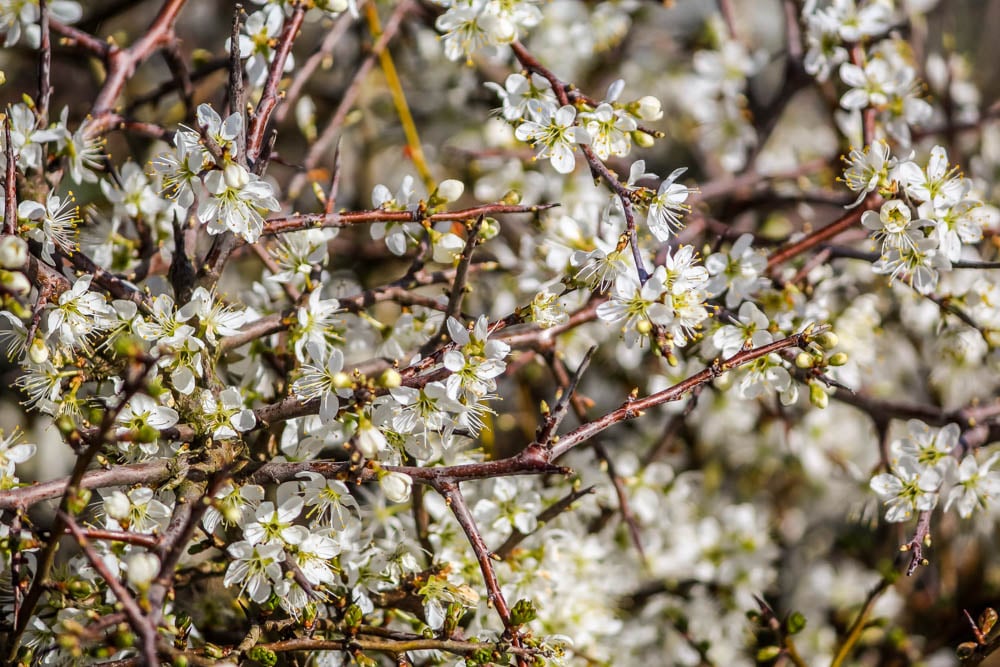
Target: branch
<point>122,64</point>
<point>142,625</point>
<point>269,98</point>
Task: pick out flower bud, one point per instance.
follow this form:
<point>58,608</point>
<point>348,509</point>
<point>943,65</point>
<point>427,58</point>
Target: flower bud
<point>142,567</point>
<point>827,340</point>
<point>15,282</point>
<point>13,252</point>
<point>642,139</point>
<point>804,360</point>
<point>511,198</point>
<point>117,506</point>
<point>649,108</point>
<point>342,380</point>
<point>450,190</point>
<point>391,378</point>
<point>396,486</point>
<point>236,176</point>
<point>38,351</point>
<point>838,359</point>
<point>818,395</point>
<point>489,229</point>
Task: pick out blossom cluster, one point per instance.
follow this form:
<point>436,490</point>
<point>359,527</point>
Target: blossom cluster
<point>447,371</point>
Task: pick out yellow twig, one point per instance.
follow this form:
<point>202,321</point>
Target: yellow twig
<point>854,633</point>
<point>399,100</point>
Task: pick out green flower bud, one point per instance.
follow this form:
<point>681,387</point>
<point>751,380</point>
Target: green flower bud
<point>488,229</point>
<point>804,360</point>
<point>827,340</point>
<point>511,198</point>
<point>838,359</point>
<point>642,139</point>
<point>818,395</point>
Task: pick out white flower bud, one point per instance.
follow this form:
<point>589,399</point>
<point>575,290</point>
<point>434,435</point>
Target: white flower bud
<point>236,176</point>
<point>13,252</point>
<point>15,282</point>
<point>38,351</point>
<point>142,567</point>
<point>117,506</point>
<point>649,108</point>
<point>450,190</point>
<point>448,248</point>
<point>335,6</point>
<point>396,486</point>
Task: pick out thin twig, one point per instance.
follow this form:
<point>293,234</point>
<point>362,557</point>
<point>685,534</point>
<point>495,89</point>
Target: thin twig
<point>142,625</point>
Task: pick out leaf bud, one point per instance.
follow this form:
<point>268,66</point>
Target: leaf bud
<point>987,620</point>
<point>522,612</point>
<point>796,623</point>
<point>768,653</point>
<point>353,616</point>
<point>262,655</point>
<point>213,651</point>
<point>965,650</point>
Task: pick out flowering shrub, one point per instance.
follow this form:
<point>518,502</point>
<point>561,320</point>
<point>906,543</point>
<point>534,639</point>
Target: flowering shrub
<point>308,315</point>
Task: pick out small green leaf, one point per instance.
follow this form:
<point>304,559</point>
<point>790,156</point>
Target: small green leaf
<point>796,623</point>
<point>768,653</point>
